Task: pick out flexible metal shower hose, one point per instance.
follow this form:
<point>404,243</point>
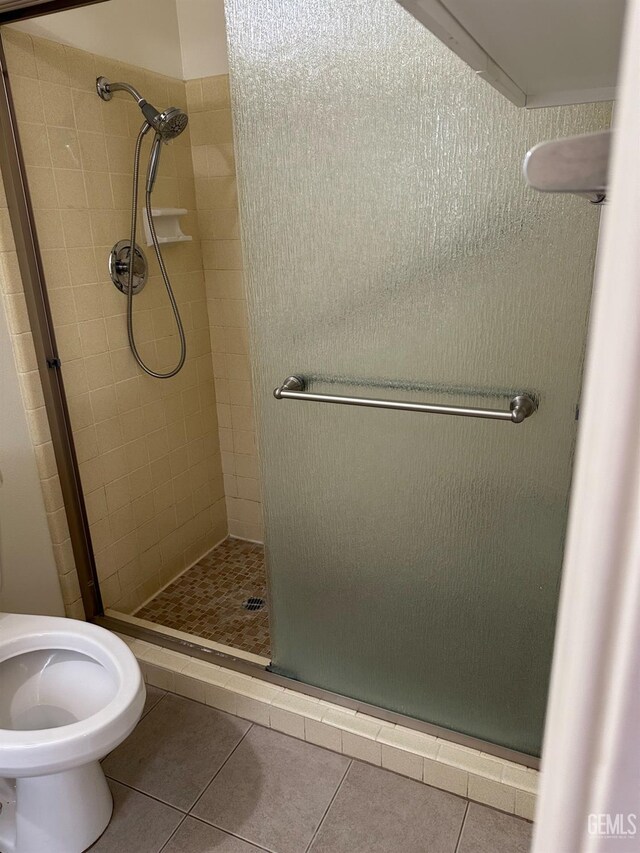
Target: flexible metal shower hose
<point>176,313</point>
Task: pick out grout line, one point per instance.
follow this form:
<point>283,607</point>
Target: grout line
<point>324,816</point>
<point>231,535</point>
<point>249,840</point>
<point>464,820</point>
<point>164,846</point>
<point>232,835</point>
<point>192,806</point>
<point>215,775</point>
<point>146,794</point>
<point>171,805</point>
<point>155,704</point>
<point>228,832</point>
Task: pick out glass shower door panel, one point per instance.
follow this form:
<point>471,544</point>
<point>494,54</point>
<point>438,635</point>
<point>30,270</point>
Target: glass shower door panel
<point>392,249</point>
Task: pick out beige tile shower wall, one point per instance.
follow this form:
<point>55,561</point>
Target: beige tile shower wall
<point>148,449</point>
<point>214,169</point>
<point>12,293</point>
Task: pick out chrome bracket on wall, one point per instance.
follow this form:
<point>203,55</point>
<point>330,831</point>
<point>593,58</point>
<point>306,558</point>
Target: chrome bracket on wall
<point>521,406</point>
<point>577,164</point>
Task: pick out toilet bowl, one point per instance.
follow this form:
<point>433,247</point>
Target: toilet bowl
<point>70,692</point>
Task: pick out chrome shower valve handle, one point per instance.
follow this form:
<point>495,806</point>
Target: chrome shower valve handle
<point>119,261</point>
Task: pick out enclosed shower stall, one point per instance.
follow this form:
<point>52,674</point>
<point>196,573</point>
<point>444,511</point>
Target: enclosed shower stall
<point>412,355</point>
<point>153,355</point>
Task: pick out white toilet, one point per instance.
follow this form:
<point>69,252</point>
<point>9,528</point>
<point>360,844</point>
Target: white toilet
<point>69,693</point>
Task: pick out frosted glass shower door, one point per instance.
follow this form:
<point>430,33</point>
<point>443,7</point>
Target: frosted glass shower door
<point>393,250</point>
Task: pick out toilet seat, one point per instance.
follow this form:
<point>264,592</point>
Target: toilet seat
<point>54,749</point>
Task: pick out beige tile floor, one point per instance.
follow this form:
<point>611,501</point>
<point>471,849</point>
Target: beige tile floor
<point>191,779</point>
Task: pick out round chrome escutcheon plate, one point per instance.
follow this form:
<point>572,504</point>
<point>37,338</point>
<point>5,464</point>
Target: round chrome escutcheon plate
<point>119,267</point>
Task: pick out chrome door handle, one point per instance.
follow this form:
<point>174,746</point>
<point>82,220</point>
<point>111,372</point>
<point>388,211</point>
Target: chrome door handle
<point>521,406</point>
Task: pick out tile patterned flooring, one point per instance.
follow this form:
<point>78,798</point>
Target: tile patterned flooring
<point>207,600</point>
<point>191,779</point>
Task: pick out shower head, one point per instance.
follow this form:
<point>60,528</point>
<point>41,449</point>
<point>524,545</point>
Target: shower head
<point>170,123</point>
<point>167,125</point>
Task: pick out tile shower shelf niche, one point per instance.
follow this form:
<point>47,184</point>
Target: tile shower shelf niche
<point>167,223</point>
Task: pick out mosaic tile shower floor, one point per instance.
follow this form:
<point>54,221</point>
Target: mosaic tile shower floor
<point>209,599</point>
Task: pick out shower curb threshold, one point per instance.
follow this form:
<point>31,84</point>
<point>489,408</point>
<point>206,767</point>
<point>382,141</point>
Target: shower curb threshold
<point>435,761</point>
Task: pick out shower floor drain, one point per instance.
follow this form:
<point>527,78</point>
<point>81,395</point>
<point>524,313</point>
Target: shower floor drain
<point>254,604</point>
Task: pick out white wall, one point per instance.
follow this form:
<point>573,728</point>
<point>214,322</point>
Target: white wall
<point>203,38</point>
<point>28,576</point>
<point>181,38</point>
<point>140,32</point>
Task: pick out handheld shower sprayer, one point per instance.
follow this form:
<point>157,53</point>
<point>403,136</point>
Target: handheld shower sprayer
<point>167,126</point>
<point>128,264</point>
